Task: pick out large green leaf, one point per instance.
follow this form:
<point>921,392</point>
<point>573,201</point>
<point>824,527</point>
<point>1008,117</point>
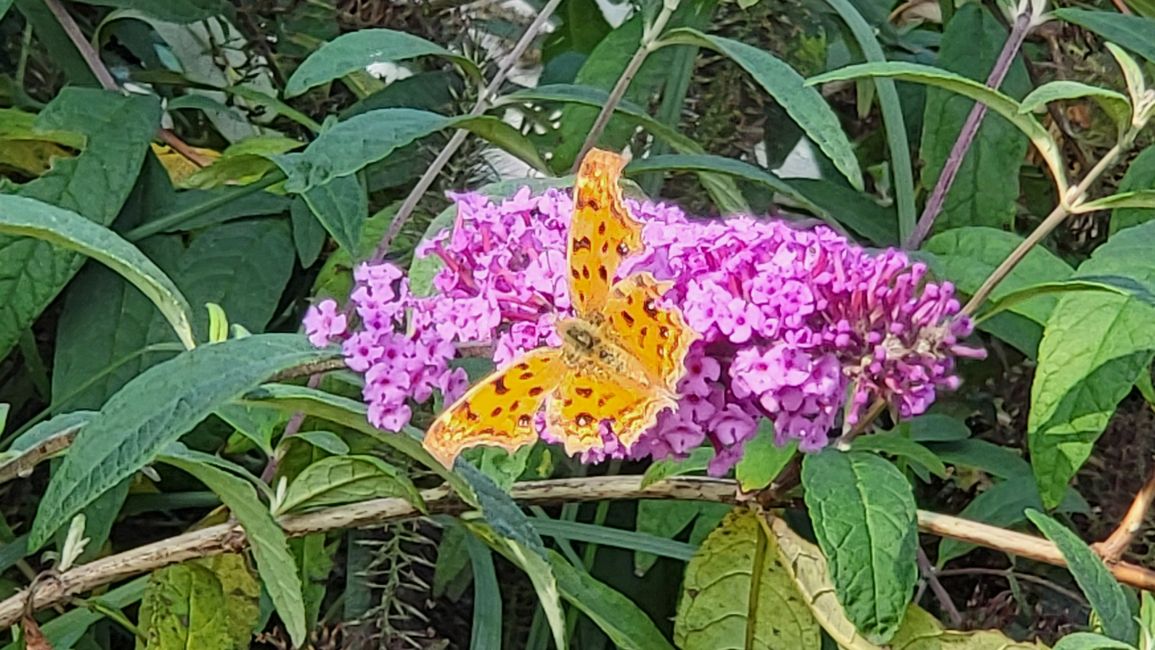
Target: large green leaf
<point>369,137</point>
<point>486,630</point>
<point>275,563</point>
<point>1140,176</point>
<point>921,631</point>
<point>737,593</point>
<point>662,518</point>
<point>996,101</point>
<point>624,622</point>
<point>360,49</point>
<point>865,521</point>
<point>189,605</point>
<point>48,225</point>
<point>804,104</point>
<point>94,185</point>
<point>340,205</point>
<point>314,556</point>
<point>987,185</point>
<point>345,479</point>
<point>1095,345</point>
<point>1132,32</point>
<point>1106,595</point>
<point>156,408</point>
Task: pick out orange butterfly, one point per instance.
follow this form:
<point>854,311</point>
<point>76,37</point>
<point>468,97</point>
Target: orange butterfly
<point>621,357</point>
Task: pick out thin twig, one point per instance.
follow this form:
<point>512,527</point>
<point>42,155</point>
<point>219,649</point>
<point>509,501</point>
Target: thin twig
<point>1008,574</point>
<point>451,147</point>
<point>1113,548</point>
<point>930,574</point>
<point>970,129</point>
<point>224,538</point>
<point>649,37</point>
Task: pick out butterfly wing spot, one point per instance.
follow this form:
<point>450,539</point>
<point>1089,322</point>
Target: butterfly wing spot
<point>664,332</point>
<point>584,419</point>
<point>605,247</point>
<point>576,275</point>
<point>651,308</point>
<point>603,273</point>
<point>602,231</point>
<point>499,410</point>
<point>623,249</point>
<point>585,272</point>
<point>629,320</point>
<point>636,315</point>
<point>584,392</point>
<point>581,244</point>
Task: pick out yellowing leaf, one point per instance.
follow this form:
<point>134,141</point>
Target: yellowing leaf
<point>738,594</point>
<point>206,603</point>
<point>179,167</point>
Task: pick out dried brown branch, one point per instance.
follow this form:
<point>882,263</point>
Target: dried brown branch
<point>231,538</point>
<point>1113,548</point>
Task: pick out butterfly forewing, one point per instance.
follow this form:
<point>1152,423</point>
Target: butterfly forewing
<point>500,410</point>
<point>602,232</point>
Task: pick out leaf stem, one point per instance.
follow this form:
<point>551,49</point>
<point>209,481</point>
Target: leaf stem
<point>649,37</point>
<point>160,224</point>
<point>455,142</point>
<point>970,129</point>
<point>1112,548</point>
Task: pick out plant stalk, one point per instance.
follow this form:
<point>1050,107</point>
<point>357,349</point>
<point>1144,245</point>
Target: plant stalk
<point>649,37</point>
<point>969,131</point>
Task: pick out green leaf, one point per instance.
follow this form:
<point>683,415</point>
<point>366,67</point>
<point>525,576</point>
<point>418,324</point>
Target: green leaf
<point>242,163</point>
<point>980,454</point>
<point>358,50</point>
<point>1140,176</point>
<point>308,232</point>
<point>968,256</point>
<point>1132,32</point>
<point>276,566</point>
<point>998,102</point>
<point>66,630</point>
<point>616,537</point>
<point>662,519</point>
<point>1141,199</point>
<point>763,459</point>
<point>737,593</point>
<point>1118,285</point>
<point>719,165</point>
<point>94,185</point>
<point>660,470</point>
<point>804,104</point>
<point>500,511</point>
<point>346,479</point>
<point>1106,595</point>
<point>1003,505</point>
<point>1087,365</point>
<point>314,557</point>
<point>325,440</point>
<point>891,109</point>
<point>902,447</point>
<point>864,518</point>
<point>340,205</point>
<point>935,427</point>
<point>486,630</point>
<point>205,602</point>
<point>173,11</point>
<point>1115,104</point>
<point>921,631</point>
<point>1090,641</point>
<point>156,408</point>
<point>987,185</point>
<point>54,226</point>
<point>627,626</point>
<point>372,136</point>
<point>185,607</point>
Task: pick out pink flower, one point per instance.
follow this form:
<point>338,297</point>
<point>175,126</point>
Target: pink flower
<point>323,323</point>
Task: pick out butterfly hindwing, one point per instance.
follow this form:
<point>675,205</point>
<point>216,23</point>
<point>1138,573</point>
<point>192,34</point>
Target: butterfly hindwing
<point>602,232</point>
<point>500,410</point>
<point>657,338</point>
<point>589,395</point>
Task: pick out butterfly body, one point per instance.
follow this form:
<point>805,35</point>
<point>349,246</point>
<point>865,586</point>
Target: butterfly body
<point>621,354</point>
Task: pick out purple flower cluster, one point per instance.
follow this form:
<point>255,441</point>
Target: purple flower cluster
<point>798,326</point>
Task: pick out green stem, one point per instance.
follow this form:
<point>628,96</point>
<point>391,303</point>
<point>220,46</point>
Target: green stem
<point>168,221</point>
